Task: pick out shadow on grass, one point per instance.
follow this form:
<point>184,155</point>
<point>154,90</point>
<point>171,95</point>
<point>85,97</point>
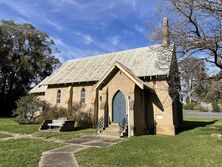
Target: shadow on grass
<point>189,125</point>
<point>80,128</point>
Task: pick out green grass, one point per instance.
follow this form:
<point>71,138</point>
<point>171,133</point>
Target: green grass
<point>66,135</point>
<point>23,152</point>
<point>9,125</point>
<point>191,148</point>
<point>27,152</point>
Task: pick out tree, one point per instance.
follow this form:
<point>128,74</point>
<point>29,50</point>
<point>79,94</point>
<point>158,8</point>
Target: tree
<point>209,91</point>
<point>195,26</point>
<point>192,72</point>
<point>25,59</point>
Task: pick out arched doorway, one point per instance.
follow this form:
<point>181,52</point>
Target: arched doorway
<point>119,107</point>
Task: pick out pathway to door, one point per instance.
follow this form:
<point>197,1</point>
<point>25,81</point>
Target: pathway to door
<point>64,156</point>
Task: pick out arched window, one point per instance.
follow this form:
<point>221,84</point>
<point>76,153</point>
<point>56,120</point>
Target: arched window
<point>58,97</point>
<point>83,95</point>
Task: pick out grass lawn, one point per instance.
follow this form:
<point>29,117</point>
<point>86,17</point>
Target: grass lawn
<point>23,152</point>
<point>27,152</point>
<point>191,148</point>
<point>9,125</point>
<point>66,135</point>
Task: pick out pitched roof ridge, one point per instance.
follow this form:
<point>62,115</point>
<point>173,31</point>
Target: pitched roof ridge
<point>115,52</point>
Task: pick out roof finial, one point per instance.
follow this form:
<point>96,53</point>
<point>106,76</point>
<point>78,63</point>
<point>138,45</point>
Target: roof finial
<point>166,32</point>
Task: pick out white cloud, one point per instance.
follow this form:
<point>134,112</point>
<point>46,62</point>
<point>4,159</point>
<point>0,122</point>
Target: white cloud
<point>86,38</point>
<point>63,2</point>
<point>54,24</point>
<point>131,2</point>
<point>139,29</point>
<point>114,40</point>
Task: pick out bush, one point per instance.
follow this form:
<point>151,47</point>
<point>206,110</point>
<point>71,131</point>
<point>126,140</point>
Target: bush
<point>52,112</point>
<point>78,113</point>
<point>216,107</point>
<point>28,109</point>
<point>82,115</point>
<point>189,106</point>
<point>204,107</point>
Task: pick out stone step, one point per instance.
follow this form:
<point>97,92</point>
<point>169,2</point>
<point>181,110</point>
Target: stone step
<point>111,133</point>
<point>112,129</point>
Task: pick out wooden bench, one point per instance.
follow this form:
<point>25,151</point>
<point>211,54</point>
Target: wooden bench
<point>62,123</point>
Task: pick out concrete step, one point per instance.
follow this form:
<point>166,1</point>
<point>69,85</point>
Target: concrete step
<point>113,130</point>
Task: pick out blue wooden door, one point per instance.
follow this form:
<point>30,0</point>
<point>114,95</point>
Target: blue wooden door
<point>119,107</point>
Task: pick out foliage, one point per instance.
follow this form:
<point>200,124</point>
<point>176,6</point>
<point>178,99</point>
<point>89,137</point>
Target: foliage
<point>28,109</point>
<point>192,73</point>
<point>26,58</point>
<point>216,107</point>
<point>78,112</point>
<point>188,28</point>
<point>52,112</point>
<point>32,110</point>
<point>203,107</point>
<point>209,91</point>
<point>189,106</point>
<point>82,115</point>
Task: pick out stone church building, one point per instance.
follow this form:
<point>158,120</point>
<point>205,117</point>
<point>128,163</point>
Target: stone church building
<point>138,87</point>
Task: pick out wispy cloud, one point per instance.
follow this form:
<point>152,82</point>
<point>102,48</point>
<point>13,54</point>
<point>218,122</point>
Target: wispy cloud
<point>114,40</point>
<point>139,29</point>
<point>86,38</point>
<point>81,28</point>
<point>131,2</point>
<point>54,25</point>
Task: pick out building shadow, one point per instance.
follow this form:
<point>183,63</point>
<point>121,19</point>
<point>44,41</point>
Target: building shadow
<point>189,125</point>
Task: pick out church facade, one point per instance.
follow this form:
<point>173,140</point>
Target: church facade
<point>139,86</point>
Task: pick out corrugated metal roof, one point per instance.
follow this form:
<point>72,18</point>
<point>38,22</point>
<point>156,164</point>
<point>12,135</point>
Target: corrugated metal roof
<point>40,88</point>
<point>142,62</point>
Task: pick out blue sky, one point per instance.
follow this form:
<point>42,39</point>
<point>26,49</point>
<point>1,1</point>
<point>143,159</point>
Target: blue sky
<point>86,27</point>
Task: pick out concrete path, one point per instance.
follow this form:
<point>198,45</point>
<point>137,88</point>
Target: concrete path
<point>61,157</point>
<point>64,156</point>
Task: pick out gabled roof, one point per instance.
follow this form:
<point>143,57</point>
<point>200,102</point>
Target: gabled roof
<point>142,61</point>
<point>40,88</point>
<point>126,71</point>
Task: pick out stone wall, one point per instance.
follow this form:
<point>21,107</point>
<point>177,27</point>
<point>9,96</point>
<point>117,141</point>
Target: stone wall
<point>120,82</point>
<point>162,108</point>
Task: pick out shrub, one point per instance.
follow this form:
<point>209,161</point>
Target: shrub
<point>52,112</point>
<point>84,119</point>
<point>216,107</point>
<point>82,115</point>
<point>203,107</point>
<point>78,112</point>
<point>189,106</point>
<point>28,109</point>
